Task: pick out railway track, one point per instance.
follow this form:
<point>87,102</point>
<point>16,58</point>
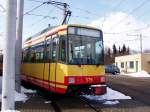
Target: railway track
<point>78,103</point>
<point>86,101</point>
<point>62,103</point>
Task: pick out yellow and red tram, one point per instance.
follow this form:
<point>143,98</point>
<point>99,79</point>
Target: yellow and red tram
<point>64,59</point>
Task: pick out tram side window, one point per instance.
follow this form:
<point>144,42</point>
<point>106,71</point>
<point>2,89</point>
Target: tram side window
<point>39,53</point>
<point>54,49</point>
<point>47,51</point>
<point>27,55</point>
<point>32,56</point>
<point>62,49</point>
<point>39,56</point>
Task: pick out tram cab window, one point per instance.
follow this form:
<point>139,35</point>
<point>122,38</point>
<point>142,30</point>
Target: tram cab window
<point>85,49</point>
<point>62,49</point>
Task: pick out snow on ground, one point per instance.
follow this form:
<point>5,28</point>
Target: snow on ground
<point>18,96</point>
<point>10,111</point>
<point>138,74</point>
<point>110,98</point>
<point>24,90</point>
<point>111,102</point>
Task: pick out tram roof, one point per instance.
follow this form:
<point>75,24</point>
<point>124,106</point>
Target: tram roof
<point>52,30</point>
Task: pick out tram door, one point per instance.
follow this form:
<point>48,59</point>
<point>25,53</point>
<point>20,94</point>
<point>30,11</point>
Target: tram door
<point>53,65</point>
<point>47,60</point>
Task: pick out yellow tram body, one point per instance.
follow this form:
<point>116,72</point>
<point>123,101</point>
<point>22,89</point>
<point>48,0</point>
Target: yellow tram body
<point>56,75</point>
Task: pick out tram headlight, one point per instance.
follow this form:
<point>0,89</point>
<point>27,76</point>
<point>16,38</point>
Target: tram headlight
<point>71,80</point>
<point>103,79</point>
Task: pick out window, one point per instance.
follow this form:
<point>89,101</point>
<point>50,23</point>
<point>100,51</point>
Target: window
<point>122,64</point>
<point>47,50</point>
<point>54,49</point>
<point>34,53</point>
<point>39,50</point>
<point>37,56</point>
<point>85,50</point>
<point>62,49</point>
<point>26,54</point>
<point>33,56</point>
<point>131,64</point>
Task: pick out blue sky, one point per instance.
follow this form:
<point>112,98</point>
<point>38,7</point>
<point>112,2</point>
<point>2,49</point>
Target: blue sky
<point>96,8</point>
<point>83,12</point>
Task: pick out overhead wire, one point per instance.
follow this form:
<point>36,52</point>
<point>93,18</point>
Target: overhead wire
<point>118,5</point>
<point>39,15</point>
<point>44,16</point>
<point>38,21</point>
<point>131,30</point>
<point>133,10</point>
<point>36,1</point>
<point>34,8</point>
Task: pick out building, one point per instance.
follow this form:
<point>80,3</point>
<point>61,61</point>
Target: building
<point>133,63</point>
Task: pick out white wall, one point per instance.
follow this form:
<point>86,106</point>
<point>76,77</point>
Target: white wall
<point>126,60</point>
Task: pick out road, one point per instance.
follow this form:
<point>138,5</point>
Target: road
<point>137,88</point>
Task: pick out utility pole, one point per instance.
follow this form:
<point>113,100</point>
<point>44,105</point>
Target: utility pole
<point>141,43</point>
<point>8,83</point>
<point>18,45</point>
<point>141,46</point>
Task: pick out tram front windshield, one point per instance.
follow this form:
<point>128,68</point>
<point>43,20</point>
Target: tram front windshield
<point>85,47</point>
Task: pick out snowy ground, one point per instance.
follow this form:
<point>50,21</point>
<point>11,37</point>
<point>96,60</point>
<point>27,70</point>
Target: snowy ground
<point>138,74</point>
<point>18,96</point>
<point>10,111</point>
<point>111,97</point>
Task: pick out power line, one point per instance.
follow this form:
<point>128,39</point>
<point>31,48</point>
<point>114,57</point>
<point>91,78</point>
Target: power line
<point>122,41</point>
<point>45,16</point>
<point>135,9</point>
<point>34,8</point>
<point>36,1</point>
<point>132,30</point>
<point>37,22</point>
<point>83,17</point>
<point>87,11</point>
<point>118,5</point>
<point>121,1</point>
<point>47,2</point>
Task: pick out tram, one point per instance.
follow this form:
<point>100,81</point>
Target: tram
<point>65,59</point>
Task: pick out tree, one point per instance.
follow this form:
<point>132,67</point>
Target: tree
<point>124,49</point>
<point>109,52</point>
<point>128,50</point>
<point>114,49</point>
